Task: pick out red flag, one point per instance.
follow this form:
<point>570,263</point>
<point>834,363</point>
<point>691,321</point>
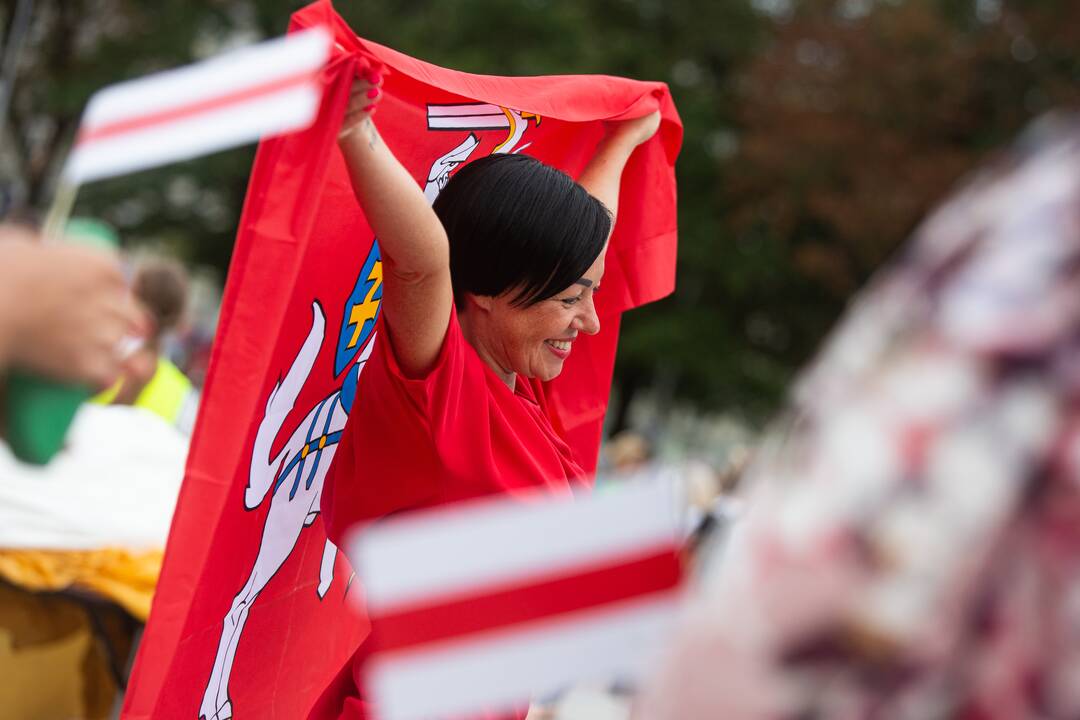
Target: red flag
<point>250,615</point>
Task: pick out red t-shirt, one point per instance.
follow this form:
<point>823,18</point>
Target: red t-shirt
<point>457,433</point>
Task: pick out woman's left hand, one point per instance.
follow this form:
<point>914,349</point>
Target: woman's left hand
<point>635,131</point>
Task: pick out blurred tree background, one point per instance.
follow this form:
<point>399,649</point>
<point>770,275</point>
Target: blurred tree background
<point>818,133</point>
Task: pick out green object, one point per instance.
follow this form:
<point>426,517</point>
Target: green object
<point>40,410</point>
<point>39,413</point>
<point>91,233</point>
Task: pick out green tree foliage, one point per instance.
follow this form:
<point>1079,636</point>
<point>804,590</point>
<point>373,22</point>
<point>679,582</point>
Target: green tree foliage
<point>855,119</point>
<point>75,47</point>
<point>818,132</point>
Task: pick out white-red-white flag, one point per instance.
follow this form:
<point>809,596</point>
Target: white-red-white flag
<point>235,98</point>
<point>485,605</point>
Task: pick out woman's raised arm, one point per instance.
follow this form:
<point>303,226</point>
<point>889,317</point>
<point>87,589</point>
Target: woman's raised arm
<point>603,174</point>
<point>417,295</point>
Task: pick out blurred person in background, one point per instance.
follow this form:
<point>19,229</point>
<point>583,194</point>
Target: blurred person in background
<point>628,452</point>
<point>151,380</point>
<point>80,536</point>
<point>910,546</point>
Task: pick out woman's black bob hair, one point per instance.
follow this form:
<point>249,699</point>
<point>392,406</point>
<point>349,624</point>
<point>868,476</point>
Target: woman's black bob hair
<point>516,224</point>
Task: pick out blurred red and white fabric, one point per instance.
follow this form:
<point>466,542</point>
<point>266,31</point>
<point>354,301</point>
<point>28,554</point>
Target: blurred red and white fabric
<point>911,541</point>
<point>491,603</point>
<point>228,100</point>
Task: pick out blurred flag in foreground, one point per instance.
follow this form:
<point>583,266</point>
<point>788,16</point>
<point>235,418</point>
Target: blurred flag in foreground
<point>228,100</point>
<point>250,616</point>
<point>911,546</point>
<point>485,606</point>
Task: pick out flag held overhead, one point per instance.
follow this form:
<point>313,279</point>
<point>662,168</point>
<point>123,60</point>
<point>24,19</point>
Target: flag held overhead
<point>232,99</point>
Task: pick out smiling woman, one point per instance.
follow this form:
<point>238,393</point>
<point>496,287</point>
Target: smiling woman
<point>483,297</point>
<point>533,340</point>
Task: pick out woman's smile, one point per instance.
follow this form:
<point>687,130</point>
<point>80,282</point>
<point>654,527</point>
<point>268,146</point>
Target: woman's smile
<point>560,348</point>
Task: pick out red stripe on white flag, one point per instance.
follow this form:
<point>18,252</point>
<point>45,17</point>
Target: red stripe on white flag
<point>498,608</point>
<point>485,605</point>
<point>232,99</point>
<point>169,115</point>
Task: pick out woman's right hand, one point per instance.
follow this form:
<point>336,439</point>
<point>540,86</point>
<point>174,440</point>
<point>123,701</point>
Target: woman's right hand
<point>364,96</point>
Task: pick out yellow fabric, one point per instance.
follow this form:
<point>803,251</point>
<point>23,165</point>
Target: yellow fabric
<point>166,391</point>
<point>106,396</point>
<point>164,395</point>
<point>52,664</point>
<point>125,577</point>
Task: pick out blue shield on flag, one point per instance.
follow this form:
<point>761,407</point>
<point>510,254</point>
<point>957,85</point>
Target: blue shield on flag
<point>361,311</point>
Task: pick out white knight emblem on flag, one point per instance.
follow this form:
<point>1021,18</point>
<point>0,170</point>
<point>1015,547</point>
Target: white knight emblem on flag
<point>294,477</point>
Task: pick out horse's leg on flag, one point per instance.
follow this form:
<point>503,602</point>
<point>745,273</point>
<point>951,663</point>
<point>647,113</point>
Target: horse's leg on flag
<point>216,704</point>
<point>281,402</point>
<point>336,424</point>
<point>284,523</point>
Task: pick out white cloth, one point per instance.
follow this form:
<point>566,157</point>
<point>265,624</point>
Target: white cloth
<point>113,485</point>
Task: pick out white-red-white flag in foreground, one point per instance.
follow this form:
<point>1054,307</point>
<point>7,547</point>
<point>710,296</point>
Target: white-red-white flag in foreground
<point>485,605</point>
<point>264,89</point>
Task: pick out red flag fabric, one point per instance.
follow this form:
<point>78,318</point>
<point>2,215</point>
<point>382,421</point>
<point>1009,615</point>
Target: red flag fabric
<point>250,614</point>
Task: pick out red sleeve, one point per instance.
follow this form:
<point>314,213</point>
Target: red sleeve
<point>443,380</point>
<point>386,461</point>
<point>454,406</point>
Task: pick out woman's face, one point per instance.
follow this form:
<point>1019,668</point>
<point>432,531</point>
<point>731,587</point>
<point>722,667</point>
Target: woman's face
<point>534,341</point>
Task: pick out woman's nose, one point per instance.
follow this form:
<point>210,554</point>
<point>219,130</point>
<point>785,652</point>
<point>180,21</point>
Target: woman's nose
<point>588,322</point>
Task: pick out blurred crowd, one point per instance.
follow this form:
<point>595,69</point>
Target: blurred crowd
<point>79,312</point>
<point>95,413</point>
